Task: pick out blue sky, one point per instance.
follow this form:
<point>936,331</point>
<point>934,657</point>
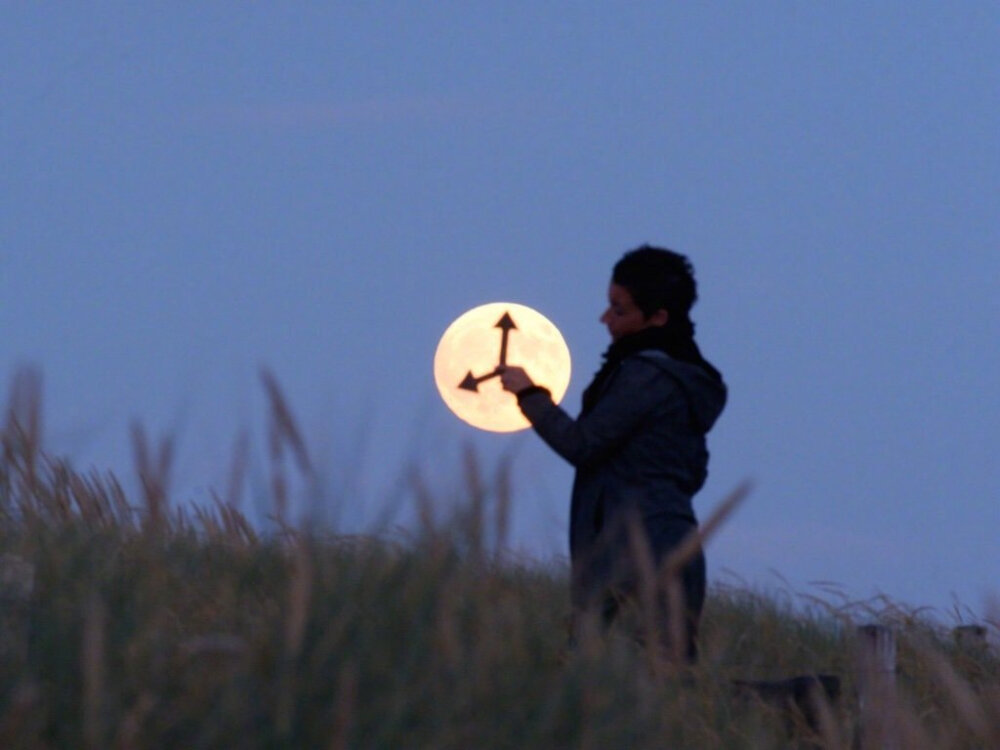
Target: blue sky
<point>189,193</point>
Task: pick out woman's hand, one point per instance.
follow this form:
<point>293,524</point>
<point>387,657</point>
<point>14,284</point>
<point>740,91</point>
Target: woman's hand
<point>514,379</point>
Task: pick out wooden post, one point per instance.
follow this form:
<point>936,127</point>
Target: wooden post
<point>876,679</point>
<point>17,582</point>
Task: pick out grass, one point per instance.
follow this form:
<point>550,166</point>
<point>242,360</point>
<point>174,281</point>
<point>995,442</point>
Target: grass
<point>127,623</point>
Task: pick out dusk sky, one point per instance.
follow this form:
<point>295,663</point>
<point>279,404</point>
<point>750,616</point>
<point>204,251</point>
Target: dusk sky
<point>191,192</point>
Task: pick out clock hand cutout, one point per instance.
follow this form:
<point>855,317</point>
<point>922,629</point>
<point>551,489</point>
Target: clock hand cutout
<point>471,382</point>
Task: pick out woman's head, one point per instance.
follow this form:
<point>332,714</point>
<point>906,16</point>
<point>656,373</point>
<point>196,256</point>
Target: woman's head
<point>657,279</point>
<point>650,287</point>
<point>650,298</point>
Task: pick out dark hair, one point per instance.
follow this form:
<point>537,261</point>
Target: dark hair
<point>658,279</point>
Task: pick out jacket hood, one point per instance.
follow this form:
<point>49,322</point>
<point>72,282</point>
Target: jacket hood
<point>706,392</point>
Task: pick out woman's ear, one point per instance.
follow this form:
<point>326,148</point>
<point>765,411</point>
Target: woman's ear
<point>659,318</point>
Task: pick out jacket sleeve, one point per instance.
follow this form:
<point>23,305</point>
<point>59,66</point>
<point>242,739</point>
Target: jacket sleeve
<point>631,396</point>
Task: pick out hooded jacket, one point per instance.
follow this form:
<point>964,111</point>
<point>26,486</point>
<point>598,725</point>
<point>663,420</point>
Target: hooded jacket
<point>640,450</point>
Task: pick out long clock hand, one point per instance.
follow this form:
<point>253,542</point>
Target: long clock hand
<point>506,323</point>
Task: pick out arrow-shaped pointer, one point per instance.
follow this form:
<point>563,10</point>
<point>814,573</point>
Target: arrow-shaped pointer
<point>506,323</point>
<point>471,382</point>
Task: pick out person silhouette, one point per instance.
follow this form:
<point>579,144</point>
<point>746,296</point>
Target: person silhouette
<point>639,449</point>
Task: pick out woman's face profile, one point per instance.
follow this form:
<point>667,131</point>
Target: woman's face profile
<point>623,316</point>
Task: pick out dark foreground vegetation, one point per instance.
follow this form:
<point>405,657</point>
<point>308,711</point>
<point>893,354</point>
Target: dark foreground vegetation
<point>126,623</point>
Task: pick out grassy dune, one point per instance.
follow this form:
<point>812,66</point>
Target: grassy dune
<point>126,623</point>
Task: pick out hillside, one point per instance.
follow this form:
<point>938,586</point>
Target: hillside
<point>127,623</point>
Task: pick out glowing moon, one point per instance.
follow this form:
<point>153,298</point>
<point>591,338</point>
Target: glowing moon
<point>473,346</point>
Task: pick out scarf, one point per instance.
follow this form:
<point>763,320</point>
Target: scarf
<point>675,340</point>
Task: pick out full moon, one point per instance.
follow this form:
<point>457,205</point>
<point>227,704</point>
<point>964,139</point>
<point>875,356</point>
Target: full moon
<point>477,342</point>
